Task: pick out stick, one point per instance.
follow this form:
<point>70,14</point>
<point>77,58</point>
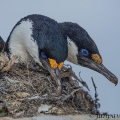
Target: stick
<point>94,88</point>
<point>10,63</point>
<point>69,73</point>
<point>41,98</point>
<point>96,95</point>
<point>67,96</point>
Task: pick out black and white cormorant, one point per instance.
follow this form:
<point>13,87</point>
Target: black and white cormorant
<point>41,38</point>
<point>83,51</point>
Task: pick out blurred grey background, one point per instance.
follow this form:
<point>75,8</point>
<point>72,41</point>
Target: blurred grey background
<point>101,19</point>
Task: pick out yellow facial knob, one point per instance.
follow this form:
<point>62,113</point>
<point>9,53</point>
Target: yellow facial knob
<point>60,65</point>
<point>54,64</point>
<point>97,58</point>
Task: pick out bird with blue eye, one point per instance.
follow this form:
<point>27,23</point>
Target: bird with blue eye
<point>40,38</point>
<point>83,51</point>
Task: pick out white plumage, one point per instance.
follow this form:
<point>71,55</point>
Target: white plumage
<point>72,51</point>
<point>23,44</point>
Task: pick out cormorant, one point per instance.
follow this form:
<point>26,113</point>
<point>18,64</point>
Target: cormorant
<point>41,38</point>
<point>83,51</point>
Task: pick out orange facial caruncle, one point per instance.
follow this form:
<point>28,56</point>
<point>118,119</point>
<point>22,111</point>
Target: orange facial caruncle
<point>97,58</point>
<point>54,64</point>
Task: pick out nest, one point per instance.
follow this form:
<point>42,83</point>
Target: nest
<point>24,89</point>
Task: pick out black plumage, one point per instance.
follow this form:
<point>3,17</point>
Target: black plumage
<point>48,35</point>
<point>80,37</point>
<point>39,36</point>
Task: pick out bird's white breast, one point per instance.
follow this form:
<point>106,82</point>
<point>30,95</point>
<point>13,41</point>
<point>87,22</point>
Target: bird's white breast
<point>72,51</point>
<point>21,42</point>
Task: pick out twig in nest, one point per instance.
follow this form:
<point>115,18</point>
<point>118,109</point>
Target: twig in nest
<point>96,95</point>
<point>33,98</point>
<point>16,81</point>
<point>2,62</point>
<point>83,82</point>
<point>66,73</point>
<point>71,94</point>
<point>94,87</point>
<point>41,98</point>
<point>70,73</point>
<point>10,63</point>
<point>16,72</point>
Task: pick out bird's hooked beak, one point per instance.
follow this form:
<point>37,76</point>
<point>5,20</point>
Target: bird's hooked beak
<point>54,70</point>
<point>89,63</point>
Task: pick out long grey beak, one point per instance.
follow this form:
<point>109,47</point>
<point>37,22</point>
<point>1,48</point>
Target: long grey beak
<point>54,73</point>
<point>85,62</point>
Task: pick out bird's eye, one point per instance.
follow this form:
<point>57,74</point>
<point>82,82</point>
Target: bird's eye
<point>43,55</point>
<point>84,52</point>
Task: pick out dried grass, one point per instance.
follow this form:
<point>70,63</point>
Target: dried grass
<point>23,89</point>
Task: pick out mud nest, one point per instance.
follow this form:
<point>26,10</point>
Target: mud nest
<point>26,89</point>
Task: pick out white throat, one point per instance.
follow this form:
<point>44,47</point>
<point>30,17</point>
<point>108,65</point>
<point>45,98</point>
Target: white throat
<point>72,51</point>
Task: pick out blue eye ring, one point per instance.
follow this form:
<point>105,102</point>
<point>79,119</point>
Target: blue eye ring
<point>43,55</point>
<point>84,52</point>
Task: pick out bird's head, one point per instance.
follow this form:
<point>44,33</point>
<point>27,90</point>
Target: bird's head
<point>53,52</point>
<point>83,51</point>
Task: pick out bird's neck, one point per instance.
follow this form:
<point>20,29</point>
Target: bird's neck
<point>72,51</point>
